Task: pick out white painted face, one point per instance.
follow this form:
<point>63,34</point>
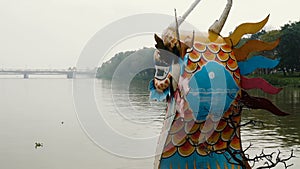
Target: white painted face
<point>166,65</point>
<point>161,72</point>
<point>162,66</point>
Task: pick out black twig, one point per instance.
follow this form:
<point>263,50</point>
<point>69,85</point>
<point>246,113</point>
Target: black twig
<point>270,161</point>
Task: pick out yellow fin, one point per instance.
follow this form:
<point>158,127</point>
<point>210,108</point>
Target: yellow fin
<point>243,52</point>
<point>245,28</point>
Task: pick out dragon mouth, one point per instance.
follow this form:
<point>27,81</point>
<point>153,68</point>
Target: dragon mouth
<point>161,72</point>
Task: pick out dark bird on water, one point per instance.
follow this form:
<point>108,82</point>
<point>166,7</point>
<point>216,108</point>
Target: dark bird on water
<point>38,145</point>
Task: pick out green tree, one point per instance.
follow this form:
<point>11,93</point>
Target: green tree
<point>270,36</point>
<point>289,47</point>
<point>145,55</point>
<point>258,34</point>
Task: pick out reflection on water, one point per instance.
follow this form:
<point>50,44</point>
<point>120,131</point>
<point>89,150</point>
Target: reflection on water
<point>32,111</point>
<point>273,133</point>
<point>283,130</point>
<point>282,133</point>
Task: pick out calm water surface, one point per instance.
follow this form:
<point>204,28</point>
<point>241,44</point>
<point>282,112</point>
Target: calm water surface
<point>32,110</point>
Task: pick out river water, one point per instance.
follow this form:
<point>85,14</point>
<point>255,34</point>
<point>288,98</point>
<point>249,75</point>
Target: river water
<point>43,110</point>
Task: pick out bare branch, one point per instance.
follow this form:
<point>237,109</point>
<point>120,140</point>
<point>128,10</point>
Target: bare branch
<point>252,122</point>
<point>269,161</point>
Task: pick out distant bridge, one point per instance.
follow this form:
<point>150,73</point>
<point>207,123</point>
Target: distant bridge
<point>70,73</point>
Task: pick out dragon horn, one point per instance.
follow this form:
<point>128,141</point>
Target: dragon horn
<point>217,26</point>
<point>177,27</point>
<point>186,14</point>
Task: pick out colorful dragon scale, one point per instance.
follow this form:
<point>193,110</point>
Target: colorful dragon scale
<point>199,76</point>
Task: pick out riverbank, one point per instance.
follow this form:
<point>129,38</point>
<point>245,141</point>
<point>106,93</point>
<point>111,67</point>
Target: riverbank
<point>279,79</point>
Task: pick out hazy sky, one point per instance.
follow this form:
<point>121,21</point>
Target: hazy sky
<point>52,33</point>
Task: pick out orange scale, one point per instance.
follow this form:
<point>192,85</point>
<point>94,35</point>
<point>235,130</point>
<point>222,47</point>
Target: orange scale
<point>237,75</point>
<point>194,56</point>
<point>188,115</point>
<point>227,133</point>
<point>228,112</point>
<point>191,67</point>
<point>221,125</point>
<point>186,74</point>
<point>199,47</point>
<point>232,64</point>
<point>201,126</point>
<point>226,48</point>
<point>201,123</point>
<point>217,60</point>
<point>168,140</point>
<point>177,116</point>
<point>236,110</point>
<point>237,80</point>
<point>169,150</point>
<point>202,62</point>
<point>191,127</point>
<point>208,55</point>
<point>235,143</point>
<point>236,119</point>
<point>179,138</point>
<point>177,126</point>
<point>220,145</point>
<point>207,126</point>
<point>186,149</point>
<point>235,102</point>
<point>213,138</point>
<point>186,106</point>
<point>232,108</point>
<point>238,72</point>
<point>203,150</point>
<point>197,138</point>
<point>222,56</point>
<point>232,56</point>
<point>214,48</point>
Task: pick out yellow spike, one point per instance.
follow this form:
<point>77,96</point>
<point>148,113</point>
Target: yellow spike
<point>186,165</point>
<point>208,166</point>
<point>195,164</point>
<point>245,28</point>
<point>218,166</point>
<point>243,52</point>
<point>225,166</point>
<point>170,165</point>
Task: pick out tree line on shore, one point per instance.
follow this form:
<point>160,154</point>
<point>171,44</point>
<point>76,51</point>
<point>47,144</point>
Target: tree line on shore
<point>288,51</point>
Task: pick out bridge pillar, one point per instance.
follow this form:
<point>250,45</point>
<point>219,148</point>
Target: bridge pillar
<point>71,75</point>
<point>26,75</point>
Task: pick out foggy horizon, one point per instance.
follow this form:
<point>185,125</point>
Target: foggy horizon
<point>52,34</point>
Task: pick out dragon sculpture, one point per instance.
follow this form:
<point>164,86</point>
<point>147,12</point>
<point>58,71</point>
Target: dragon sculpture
<point>202,77</point>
